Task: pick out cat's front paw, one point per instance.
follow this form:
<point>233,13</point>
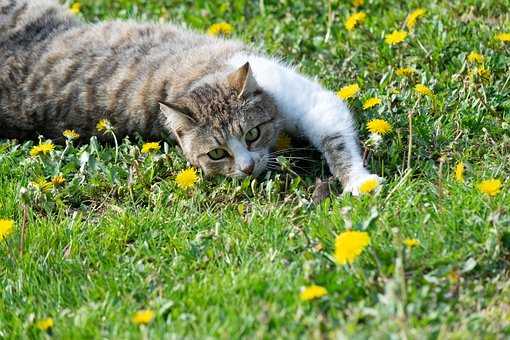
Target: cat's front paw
<point>354,184</point>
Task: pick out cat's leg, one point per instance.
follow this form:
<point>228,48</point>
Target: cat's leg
<point>317,114</point>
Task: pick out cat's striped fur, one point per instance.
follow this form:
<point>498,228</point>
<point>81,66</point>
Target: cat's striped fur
<point>58,72</point>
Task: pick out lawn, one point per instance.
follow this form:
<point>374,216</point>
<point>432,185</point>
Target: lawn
<point>228,258</point>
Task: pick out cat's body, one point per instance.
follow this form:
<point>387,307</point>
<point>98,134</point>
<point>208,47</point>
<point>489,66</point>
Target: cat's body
<point>58,73</point>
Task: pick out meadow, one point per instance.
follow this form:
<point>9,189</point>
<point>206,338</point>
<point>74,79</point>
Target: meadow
<point>104,241</point>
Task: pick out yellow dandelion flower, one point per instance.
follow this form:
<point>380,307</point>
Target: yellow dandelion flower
<point>423,90</point>
<point>45,324</point>
<point>103,125</point>
<point>475,57</point>
<point>348,91</point>
<point>43,148</point>
<point>222,28</point>
<point>149,147</point>
<point>405,71</point>
<point>58,180</point>
<point>459,172</point>
<point>379,126</point>
<point>490,187</point>
<point>453,276</point>
<point>411,242</point>
<point>143,317</point>
<point>504,37</point>
<point>75,8</point>
<point>186,178</point>
<point>283,142</point>
<point>43,185</point>
<point>368,186</point>
<point>371,102</point>
<point>354,20</point>
<point>413,17</point>
<point>395,37</point>
<point>71,134</point>
<point>6,227</point>
<point>312,292</point>
<point>349,245</point>
<point>484,73</point>
<point>358,3</point>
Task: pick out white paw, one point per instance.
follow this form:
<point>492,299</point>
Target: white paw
<point>355,181</point>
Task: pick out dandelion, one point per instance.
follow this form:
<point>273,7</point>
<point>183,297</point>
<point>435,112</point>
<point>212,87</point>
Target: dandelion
<point>490,187</point>
<point>484,73</point>
<point>411,242</point>
<point>371,102</point>
<point>143,317</point>
<point>58,180</point>
<point>312,292</point>
<point>405,71</point>
<point>103,125</point>
<point>504,37</point>
<point>75,8</point>
<point>379,126</point>
<point>348,91</point>
<point>459,172</point>
<point>475,57</point>
<point>349,245</point>
<point>283,142</point>
<point>43,185</point>
<point>71,134</point>
<point>368,186</point>
<point>413,17</point>
<point>186,178</point>
<point>395,37</point>
<point>423,90</point>
<point>42,148</point>
<point>453,276</point>
<point>149,147</point>
<point>358,3</point>
<point>355,19</point>
<point>45,324</point>
<point>6,227</point>
<point>222,28</point>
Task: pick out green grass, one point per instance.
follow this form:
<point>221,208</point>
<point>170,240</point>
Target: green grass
<point>227,258</point>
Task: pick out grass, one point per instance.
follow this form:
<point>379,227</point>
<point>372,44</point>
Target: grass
<point>227,258</point>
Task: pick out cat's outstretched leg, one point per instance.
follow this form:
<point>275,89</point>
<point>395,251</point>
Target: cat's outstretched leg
<point>311,111</point>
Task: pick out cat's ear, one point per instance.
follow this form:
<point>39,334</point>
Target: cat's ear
<point>178,118</point>
<point>243,80</point>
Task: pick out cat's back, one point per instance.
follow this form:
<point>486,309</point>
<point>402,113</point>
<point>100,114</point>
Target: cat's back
<point>58,71</point>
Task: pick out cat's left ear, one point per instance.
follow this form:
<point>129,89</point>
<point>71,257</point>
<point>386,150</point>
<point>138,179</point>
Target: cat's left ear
<point>178,119</point>
<point>243,80</point>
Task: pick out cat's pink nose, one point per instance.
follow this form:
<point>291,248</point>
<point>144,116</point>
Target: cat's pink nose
<point>248,169</point>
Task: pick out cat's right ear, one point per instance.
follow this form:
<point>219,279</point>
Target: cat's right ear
<point>178,119</point>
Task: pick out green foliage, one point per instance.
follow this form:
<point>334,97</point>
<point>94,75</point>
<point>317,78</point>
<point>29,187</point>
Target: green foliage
<point>228,258</point>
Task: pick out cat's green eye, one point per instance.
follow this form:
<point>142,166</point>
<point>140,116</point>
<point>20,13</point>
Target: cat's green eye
<point>217,154</point>
<point>252,135</point>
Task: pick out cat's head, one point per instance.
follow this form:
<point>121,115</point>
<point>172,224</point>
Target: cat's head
<point>226,126</point>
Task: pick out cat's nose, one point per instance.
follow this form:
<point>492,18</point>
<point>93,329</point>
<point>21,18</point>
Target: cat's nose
<point>248,168</point>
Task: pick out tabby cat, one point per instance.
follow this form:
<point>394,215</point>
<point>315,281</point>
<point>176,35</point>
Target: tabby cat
<point>224,103</point>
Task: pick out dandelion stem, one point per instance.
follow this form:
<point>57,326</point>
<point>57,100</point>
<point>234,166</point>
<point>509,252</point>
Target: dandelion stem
<point>62,158</point>
<point>116,146</point>
<point>24,227</point>
<point>262,7</point>
<point>410,139</point>
<point>330,22</point>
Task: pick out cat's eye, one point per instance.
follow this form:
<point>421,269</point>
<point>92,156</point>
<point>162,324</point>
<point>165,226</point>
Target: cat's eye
<point>217,154</point>
<point>252,135</point>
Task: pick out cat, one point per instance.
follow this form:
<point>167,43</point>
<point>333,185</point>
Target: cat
<point>223,102</point>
